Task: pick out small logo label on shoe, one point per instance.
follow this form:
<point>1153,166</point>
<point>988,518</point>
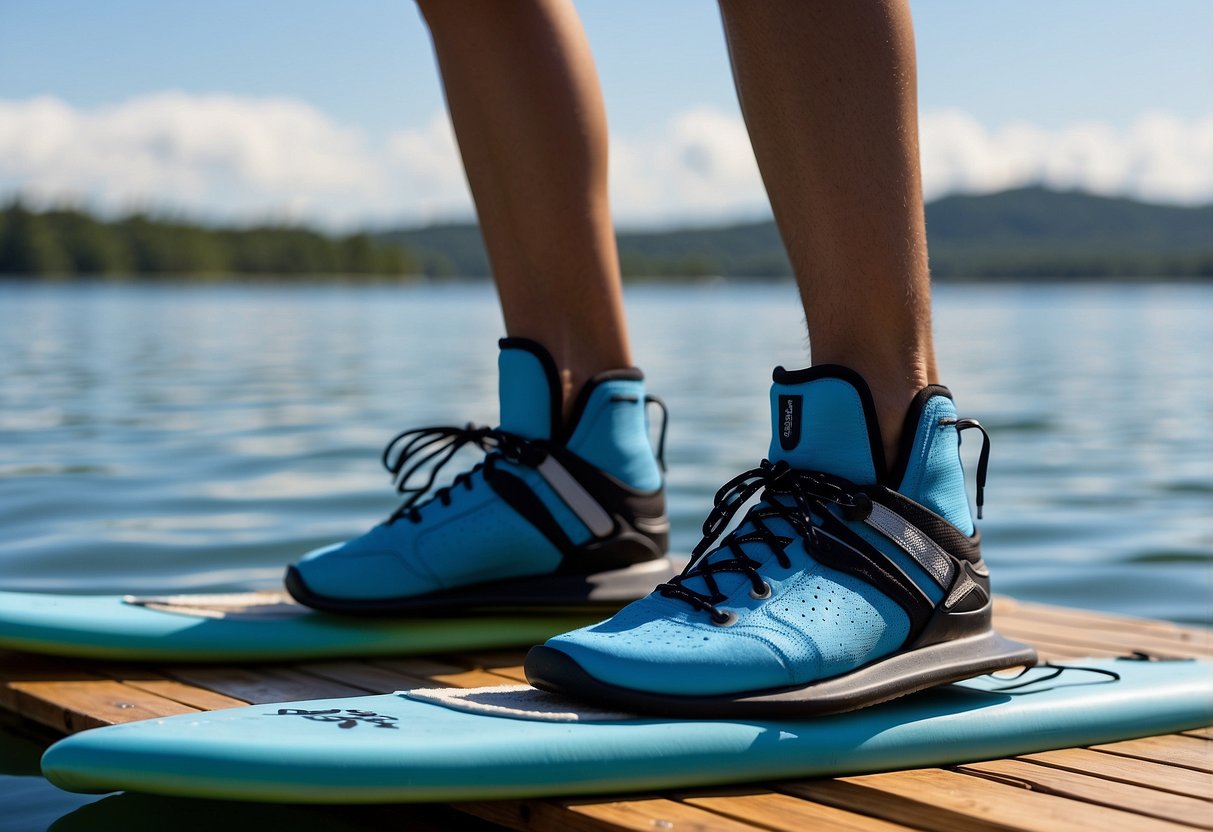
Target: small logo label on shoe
<point>789,422</point>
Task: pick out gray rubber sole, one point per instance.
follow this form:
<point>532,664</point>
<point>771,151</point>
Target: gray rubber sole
<point>898,675</point>
<point>605,591</point>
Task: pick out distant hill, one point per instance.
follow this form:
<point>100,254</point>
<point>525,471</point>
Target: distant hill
<point>1022,233</point>
<point>1034,232</point>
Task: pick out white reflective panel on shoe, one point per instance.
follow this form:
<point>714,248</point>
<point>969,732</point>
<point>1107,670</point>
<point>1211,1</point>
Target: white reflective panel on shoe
<point>929,554</point>
<point>576,498</point>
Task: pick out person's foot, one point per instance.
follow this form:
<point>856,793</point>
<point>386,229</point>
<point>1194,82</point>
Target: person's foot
<point>559,514</point>
<point>845,585</point>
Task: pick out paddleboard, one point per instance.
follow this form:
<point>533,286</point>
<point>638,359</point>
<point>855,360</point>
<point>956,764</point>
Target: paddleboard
<point>251,626</point>
<point>514,741</point>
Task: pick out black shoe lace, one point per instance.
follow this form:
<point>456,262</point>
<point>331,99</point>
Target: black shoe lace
<point>810,492</point>
<point>424,451</point>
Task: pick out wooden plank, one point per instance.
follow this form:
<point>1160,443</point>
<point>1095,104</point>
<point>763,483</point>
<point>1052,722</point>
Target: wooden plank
<point>947,801</point>
<point>1128,770</point>
<point>511,674</point>
<point>1098,629</point>
<point>150,681</point>
<point>425,668</point>
<point>1092,645</point>
<point>773,810</point>
<point>1203,733</point>
<point>655,813</point>
<point>261,685</point>
<point>70,697</point>
<point>1175,750</point>
<point>505,663</point>
<point>1050,649</point>
<point>1094,789</point>
<point>75,705</point>
<point>435,673</point>
<point>642,813</point>
<point>1009,609</point>
<point>492,659</point>
<point>1007,606</point>
<point>473,679</point>
<point>369,677</point>
<point>1124,642</point>
<point>1113,622</point>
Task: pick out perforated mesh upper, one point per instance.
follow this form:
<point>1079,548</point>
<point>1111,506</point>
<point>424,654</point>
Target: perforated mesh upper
<point>476,538</point>
<point>818,624</point>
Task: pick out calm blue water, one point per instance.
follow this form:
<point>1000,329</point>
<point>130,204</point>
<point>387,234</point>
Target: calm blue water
<point>158,438</point>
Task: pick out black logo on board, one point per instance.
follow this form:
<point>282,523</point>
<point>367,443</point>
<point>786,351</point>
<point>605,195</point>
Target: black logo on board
<point>789,421</point>
<point>348,718</point>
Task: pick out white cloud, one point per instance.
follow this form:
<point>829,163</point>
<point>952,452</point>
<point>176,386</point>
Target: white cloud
<point>699,166</point>
<point>225,156</point>
<point>212,154</point>
<point>1160,157</point>
<point>425,163</point>
<point>236,157</point>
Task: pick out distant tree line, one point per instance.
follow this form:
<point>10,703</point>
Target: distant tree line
<point>1022,234</point>
<point>66,242</point>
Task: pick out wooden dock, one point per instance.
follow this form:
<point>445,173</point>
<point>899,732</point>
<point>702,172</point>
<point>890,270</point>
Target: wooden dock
<point>1157,783</point>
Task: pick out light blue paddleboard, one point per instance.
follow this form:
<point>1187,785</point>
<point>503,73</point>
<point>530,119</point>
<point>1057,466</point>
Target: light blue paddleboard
<point>248,627</point>
<point>399,747</point>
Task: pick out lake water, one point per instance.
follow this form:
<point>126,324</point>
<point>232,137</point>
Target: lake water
<point>199,437</point>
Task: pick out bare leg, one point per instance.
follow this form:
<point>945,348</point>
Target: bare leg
<point>527,109</point>
<point>829,94</point>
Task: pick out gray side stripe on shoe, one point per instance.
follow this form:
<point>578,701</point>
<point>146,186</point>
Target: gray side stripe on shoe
<point>929,554</point>
<point>959,592</point>
<point>576,497</point>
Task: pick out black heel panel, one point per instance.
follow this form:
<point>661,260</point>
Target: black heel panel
<point>967,610</point>
<point>642,529</point>
<point>617,552</point>
<point>947,626</point>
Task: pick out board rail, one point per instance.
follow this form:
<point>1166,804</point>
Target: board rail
<point>1154,783</point>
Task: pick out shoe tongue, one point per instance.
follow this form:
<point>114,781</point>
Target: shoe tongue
<point>528,389</point>
<point>824,419</point>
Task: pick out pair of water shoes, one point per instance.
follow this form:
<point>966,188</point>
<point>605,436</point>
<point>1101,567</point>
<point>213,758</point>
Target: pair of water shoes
<point>844,583</point>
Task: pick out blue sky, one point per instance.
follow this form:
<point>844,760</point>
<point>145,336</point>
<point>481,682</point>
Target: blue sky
<point>1075,93</point>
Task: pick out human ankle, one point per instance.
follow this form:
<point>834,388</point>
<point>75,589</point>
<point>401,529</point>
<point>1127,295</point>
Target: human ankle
<point>576,372</point>
<point>891,409</point>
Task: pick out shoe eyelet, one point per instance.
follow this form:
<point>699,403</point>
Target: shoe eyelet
<point>730,618</point>
<point>761,596</point>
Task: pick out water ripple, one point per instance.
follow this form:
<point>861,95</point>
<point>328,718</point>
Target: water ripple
<point>158,438</point>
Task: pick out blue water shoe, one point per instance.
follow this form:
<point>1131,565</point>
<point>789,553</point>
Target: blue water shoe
<point>845,584</point>
<point>558,514</point>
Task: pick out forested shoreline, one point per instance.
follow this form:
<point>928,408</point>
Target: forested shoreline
<point>68,242</point>
<point>1023,234</point>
